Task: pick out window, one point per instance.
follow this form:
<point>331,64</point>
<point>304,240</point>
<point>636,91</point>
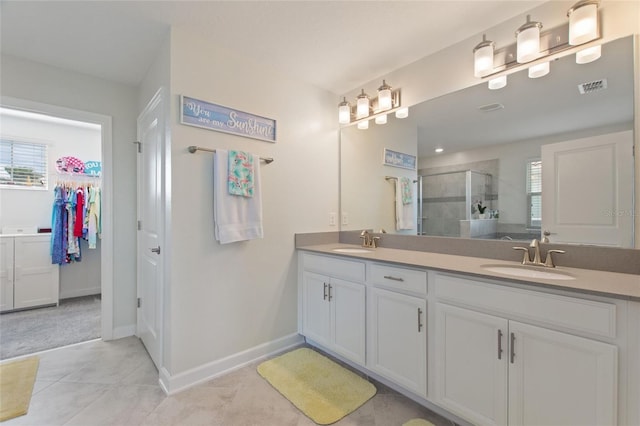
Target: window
<point>534,194</point>
<point>23,164</point>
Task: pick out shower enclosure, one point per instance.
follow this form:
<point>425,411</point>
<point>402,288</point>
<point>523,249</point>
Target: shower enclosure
<point>448,204</point>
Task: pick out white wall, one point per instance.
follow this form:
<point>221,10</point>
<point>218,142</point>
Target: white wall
<point>21,208</point>
<point>225,299</point>
<point>36,82</point>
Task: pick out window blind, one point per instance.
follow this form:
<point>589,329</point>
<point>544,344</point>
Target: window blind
<point>23,164</point>
<point>534,194</point>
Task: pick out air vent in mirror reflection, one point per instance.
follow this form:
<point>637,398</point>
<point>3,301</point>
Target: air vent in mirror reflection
<point>592,86</point>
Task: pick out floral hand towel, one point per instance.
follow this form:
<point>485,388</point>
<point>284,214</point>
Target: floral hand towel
<point>407,193</point>
<point>240,179</point>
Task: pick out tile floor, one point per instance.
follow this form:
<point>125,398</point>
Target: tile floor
<point>115,383</point>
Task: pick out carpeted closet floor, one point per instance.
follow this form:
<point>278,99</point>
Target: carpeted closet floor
<point>74,320</point>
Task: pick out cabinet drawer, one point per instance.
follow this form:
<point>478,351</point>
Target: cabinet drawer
<point>331,266</point>
<point>587,316</point>
<point>399,278</point>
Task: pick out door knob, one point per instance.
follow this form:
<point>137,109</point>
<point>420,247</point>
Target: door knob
<point>155,250</point>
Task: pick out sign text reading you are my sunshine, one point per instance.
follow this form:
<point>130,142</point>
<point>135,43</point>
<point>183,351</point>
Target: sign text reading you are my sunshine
<point>216,117</point>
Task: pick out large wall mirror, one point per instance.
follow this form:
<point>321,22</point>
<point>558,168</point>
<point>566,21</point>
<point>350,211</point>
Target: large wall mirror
<point>542,154</point>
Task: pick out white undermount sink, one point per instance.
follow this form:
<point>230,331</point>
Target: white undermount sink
<point>350,250</point>
<point>528,272</point>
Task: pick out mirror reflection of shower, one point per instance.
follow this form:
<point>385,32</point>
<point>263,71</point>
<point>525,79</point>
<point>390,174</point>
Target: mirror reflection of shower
<point>457,204</point>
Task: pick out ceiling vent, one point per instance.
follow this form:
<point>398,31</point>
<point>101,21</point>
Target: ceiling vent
<point>490,107</point>
<point>592,86</point>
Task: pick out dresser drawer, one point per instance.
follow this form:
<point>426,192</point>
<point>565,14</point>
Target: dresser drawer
<point>347,269</point>
<point>569,313</point>
<point>412,280</point>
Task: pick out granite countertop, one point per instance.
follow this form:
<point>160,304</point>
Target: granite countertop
<point>613,284</point>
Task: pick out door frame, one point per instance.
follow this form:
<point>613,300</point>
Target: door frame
<point>107,255</point>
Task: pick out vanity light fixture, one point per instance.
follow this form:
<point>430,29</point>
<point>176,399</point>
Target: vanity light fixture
<point>498,82</point>
<point>366,108</point>
<point>539,70</point>
<point>344,112</point>
<point>528,41</point>
<point>532,45</point>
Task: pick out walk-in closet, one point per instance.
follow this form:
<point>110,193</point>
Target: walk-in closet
<point>50,232</point>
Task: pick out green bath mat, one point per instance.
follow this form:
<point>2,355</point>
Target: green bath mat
<point>323,390</point>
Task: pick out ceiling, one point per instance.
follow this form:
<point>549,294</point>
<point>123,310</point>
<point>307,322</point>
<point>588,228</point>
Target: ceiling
<point>533,108</point>
<point>335,45</point>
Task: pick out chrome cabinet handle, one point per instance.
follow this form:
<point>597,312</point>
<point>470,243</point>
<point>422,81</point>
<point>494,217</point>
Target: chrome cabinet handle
<point>419,320</point>
<point>155,250</point>
<point>325,291</point>
<point>330,292</point>
<point>513,344</point>
<point>389,277</point>
<point>499,344</point>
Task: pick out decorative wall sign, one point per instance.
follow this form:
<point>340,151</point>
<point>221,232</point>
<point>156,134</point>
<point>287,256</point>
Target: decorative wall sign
<point>399,159</point>
<point>222,119</point>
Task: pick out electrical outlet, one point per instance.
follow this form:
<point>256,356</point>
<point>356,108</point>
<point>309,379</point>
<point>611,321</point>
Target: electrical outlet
<point>345,218</point>
<point>332,219</point>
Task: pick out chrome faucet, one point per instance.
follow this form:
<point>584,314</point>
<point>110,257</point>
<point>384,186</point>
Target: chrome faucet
<point>369,240</point>
<point>537,260</point>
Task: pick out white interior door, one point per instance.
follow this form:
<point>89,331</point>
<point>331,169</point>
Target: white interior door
<point>587,190</point>
<point>150,222</point>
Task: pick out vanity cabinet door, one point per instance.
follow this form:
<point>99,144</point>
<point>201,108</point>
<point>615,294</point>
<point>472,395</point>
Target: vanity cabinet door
<point>397,332</point>
<point>560,379</point>
<point>316,308</point>
<point>334,315</point>
<point>471,364</point>
<point>348,313</point>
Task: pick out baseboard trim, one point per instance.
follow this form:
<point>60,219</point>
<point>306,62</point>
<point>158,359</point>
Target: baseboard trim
<point>125,331</point>
<point>172,384</point>
<point>80,293</point>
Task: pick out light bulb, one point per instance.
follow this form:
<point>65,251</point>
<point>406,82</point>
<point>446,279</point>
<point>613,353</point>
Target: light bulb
<point>583,22</point>
<point>439,150</point>
<point>498,82</point>
<point>528,41</point>
<point>539,70</point>
<point>344,112</point>
<point>381,119</point>
<point>363,125</point>
<point>362,105</point>
<point>402,113</point>
<point>483,58</point>
<point>589,54</point>
<point>384,96</point>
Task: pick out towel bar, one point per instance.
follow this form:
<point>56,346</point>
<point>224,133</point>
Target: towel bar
<point>193,149</point>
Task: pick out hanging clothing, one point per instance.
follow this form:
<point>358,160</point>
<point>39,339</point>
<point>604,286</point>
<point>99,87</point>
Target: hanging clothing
<point>79,220</point>
<point>58,238</point>
<point>94,216</point>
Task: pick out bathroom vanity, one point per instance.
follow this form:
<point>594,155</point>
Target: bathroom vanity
<point>478,338</point>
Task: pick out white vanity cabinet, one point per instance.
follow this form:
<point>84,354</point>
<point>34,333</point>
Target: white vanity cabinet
<point>27,277</point>
<point>493,370</point>
<point>396,328</point>
<point>333,305</point>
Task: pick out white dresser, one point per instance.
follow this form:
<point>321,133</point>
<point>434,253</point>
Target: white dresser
<point>27,277</point>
